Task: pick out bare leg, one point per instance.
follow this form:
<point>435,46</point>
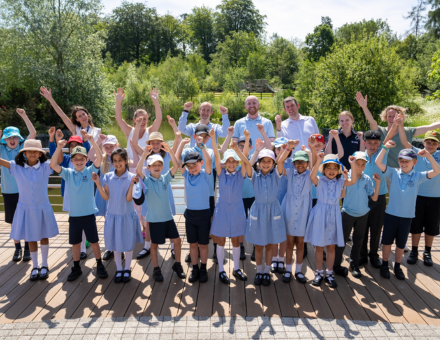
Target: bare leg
<point>203,253</point>
<point>399,254</point>
<point>268,252</point>
<point>177,248</point>
<point>221,241</point>
<point>415,239</point>
<point>194,252</point>
<point>76,250</point>
<point>429,240</point>
<point>386,251</point>
<point>299,242</point>
<point>96,250</point>
<point>33,247</point>
<point>259,255</point>
<point>154,255</point>
<point>289,252</point>
<point>282,250</point>
<point>330,256</point>
<point>319,257</point>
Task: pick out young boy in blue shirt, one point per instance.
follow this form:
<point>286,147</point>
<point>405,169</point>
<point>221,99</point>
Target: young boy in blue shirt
<point>82,206</point>
<point>198,184</point>
<point>405,183</point>
<point>355,211</point>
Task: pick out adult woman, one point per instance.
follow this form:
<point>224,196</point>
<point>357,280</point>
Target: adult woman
<point>80,119</point>
<point>350,140</point>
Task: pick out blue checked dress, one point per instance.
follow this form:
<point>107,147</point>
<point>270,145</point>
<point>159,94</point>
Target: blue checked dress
<point>297,203</point>
<point>265,224</point>
<point>325,222</point>
<point>282,188</point>
<point>229,216</point>
<point>102,204</point>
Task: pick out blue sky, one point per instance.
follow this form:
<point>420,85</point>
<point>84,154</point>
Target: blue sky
<point>295,19</point>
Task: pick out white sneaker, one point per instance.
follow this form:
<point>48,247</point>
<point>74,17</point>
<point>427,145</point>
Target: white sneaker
<point>406,249</point>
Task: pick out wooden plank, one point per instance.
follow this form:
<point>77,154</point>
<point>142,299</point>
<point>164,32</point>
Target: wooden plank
<point>285,299</point>
<point>221,293</point>
<point>204,306</point>
<point>254,302</point>
<point>237,289</point>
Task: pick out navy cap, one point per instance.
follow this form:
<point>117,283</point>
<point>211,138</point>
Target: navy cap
<point>192,157</point>
<point>242,139</point>
<point>200,129</point>
<point>407,154</point>
<point>372,135</point>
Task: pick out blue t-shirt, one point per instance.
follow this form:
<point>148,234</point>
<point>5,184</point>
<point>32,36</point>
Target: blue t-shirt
<point>251,125</point>
<point>211,153</point>
<point>81,190</point>
<point>8,182</point>
<point>197,189</point>
<point>371,168</point>
<point>430,188</point>
<point>157,196</point>
<point>404,189</point>
<point>356,197</point>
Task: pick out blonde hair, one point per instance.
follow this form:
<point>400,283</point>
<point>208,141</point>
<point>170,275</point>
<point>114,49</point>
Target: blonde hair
<point>346,113</point>
<point>140,111</point>
<point>401,110</point>
<point>105,163</point>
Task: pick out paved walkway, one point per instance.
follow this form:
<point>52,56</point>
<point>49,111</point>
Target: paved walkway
<point>141,328</point>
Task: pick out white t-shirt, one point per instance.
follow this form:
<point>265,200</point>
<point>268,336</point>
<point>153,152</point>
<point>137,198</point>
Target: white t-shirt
<point>142,142</point>
<point>94,131</point>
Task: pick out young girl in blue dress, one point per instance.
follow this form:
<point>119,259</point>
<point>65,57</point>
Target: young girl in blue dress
<point>324,228</point>
<point>229,218</point>
<point>121,227</point>
<point>265,225</point>
<point>10,145</point>
<point>34,219</point>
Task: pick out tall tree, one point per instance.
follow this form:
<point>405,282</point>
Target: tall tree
<point>416,15</point>
<point>281,59</point>
<point>355,31</point>
<point>433,21</point>
<point>327,21</point>
<point>319,42</point>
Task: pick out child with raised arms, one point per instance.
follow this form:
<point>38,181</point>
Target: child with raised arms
<point>324,228</point>
<point>82,207</point>
<point>229,215</point>
<point>10,145</point>
<point>121,227</point>
<point>34,219</point>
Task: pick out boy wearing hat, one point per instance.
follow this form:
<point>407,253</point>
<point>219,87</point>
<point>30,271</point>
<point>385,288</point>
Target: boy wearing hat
<point>405,183</point>
<point>355,212</point>
<point>196,171</point>
<point>82,207</point>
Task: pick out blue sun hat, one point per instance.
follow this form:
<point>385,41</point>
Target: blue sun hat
<point>279,142</point>
<point>11,131</point>
<point>228,154</point>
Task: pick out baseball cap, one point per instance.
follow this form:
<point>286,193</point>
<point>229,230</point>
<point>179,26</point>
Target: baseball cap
<point>279,142</point>
<point>300,156</point>
<point>110,140</point>
<point>77,139</point>
<point>360,155</point>
<point>266,153</point>
<point>432,135</point>
<point>228,154</point>
<point>319,138</point>
<point>372,135</point>
<point>407,154</point>
<point>242,139</point>
<point>78,150</point>
<point>200,129</point>
<point>154,158</point>
<point>137,190</point>
<point>192,157</point>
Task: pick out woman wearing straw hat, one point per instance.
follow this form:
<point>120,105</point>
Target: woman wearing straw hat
<point>34,219</point>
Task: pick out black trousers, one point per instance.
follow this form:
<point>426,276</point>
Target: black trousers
<point>374,227</point>
<point>358,225</point>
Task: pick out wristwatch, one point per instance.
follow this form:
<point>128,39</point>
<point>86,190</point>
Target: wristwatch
<point>202,146</point>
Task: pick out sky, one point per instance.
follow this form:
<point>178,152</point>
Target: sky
<point>295,19</point>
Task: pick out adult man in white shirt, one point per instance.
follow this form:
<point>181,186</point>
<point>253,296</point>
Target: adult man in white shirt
<point>296,126</point>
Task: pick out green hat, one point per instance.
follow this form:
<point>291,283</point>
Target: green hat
<point>432,135</point>
<point>301,156</point>
<point>78,150</point>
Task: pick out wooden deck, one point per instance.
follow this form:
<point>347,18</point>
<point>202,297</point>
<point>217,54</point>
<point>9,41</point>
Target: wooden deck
<point>414,300</point>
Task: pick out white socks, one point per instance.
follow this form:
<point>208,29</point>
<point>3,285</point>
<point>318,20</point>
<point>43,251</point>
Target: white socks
<point>220,257</point>
<point>147,245</point>
<point>172,245</point>
<point>44,255</point>
<point>236,257</point>
<point>266,269</point>
<point>118,261</point>
<point>298,267</point>
<point>260,269</point>
<point>275,259</point>
<point>83,243</point>
<point>288,267</point>
<point>34,256</point>
<point>128,258</point>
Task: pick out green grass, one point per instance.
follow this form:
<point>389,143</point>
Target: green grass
<point>430,113</point>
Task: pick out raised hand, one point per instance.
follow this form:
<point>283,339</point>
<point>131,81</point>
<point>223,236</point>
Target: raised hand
<point>101,136</point>
<point>312,140</point>
<point>260,127</point>
<point>291,144</point>
<point>171,120</point>
<point>223,110</point>
<point>199,140</point>
<point>278,119</point>
<point>52,132</point>
<point>360,135</point>
<point>259,145</point>
<point>165,147</point>
<point>87,137</point>
<point>134,180</point>
<point>231,130</point>
<point>185,141</point>
<point>148,149</point>
<point>61,143</point>
<point>390,144</point>
<point>212,133</point>
<point>138,121</point>
<point>361,100</point>
<point>423,153</point>
<point>345,174</point>
<point>303,148</point>
<point>21,112</point>
<point>376,178</point>
<point>320,156</point>
<point>59,135</point>
<point>234,146</point>
<point>352,160</point>
<point>46,93</point>
<point>247,134</point>
<point>154,94</point>
<point>188,106</point>
<point>398,119</point>
<point>334,133</point>
<point>119,94</point>
<point>95,177</point>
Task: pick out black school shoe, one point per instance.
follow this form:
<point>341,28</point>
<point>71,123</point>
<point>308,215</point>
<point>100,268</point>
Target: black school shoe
<point>258,279</point>
<point>44,276</point>
<point>82,256</point>
<point>242,253</point>
<point>266,280</point>
<point>287,276</point>
<point>375,263</point>
<point>300,278</point>
<point>177,267</point>
<point>239,275</point>
<point>157,275</point>
<point>141,256</point>
<point>385,272</point>
<point>118,276</point>
<point>108,255</point>
<point>195,274</point>
<point>318,279</point>
<point>26,255</point>
<point>17,255</point>
<point>224,278</point>
<point>126,278</point>
<point>341,271</point>
<point>102,273</point>
<point>203,277</point>
<point>35,276</point>
<point>364,261</point>
<point>253,255</point>
<point>413,257</point>
<point>281,268</point>
<point>355,271</point>
<point>330,281</point>
<point>74,274</point>
<point>398,273</point>
<point>427,260</point>
<point>274,267</point>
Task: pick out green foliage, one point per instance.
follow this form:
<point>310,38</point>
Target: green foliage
<point>320,42</point>
<point>356,31</point>
<point>435,74</point>
<point>281,59</point>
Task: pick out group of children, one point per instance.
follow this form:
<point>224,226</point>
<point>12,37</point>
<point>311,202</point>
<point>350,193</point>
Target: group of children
<point>273,198</point>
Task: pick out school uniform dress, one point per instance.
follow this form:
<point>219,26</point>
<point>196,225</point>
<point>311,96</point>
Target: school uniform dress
<point>121,227</point>
<point>297,203</point>
<point>265,224</point>
<point>355,213</point>
<point>34,218</point>
<point>282,188</point>
<point>229,216</point>
<point>8,182</point>
<point>101,203</point>
<point>324,227</point>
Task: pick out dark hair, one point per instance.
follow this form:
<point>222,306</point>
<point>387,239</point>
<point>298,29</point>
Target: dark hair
<point>73,119</point>
<point>256,166</point>
<point>161,152</point>
<point>326,165</point>
<point>21,159</point>
<point>121,152</point>
<point>289,99</point>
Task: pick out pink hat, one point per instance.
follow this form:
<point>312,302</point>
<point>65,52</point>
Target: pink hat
<point>266,153</point>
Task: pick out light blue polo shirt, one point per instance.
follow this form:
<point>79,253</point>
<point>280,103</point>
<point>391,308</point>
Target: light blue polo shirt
<point>247,191</point>
<point>356,197</point>
<point>403,191</point>
<point>81,190</point>
<point>371,168</point>
<point>197,189</point>
<point>157,196</point>
<point>251,125</point>
<point>8,182</point>
<point>431,188</point>
<point>211,153</point>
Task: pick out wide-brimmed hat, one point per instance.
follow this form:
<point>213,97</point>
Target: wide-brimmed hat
<point>331,159</point>
<point>228,154</point>
<point>11,131</point>
<point>32,145</point>
<point>155,136</point>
